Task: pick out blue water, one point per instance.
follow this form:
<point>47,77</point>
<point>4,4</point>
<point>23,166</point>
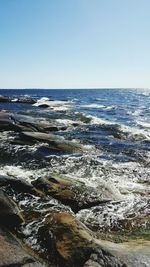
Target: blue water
<point>124,132</point>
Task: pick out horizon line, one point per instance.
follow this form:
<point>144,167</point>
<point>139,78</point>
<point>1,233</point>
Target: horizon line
<point>82,88</point>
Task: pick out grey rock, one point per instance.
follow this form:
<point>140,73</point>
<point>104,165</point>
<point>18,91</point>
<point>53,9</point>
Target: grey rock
<point>10,215</point>
<point>13,254</point>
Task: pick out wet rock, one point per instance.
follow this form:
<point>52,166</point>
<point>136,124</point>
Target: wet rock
<point>55,141</point>
<point>134,254</point>
<point>19,123</point>
<point>28,123</point>
<point>24,100</point>
<point>4,99</point>
<point>73,242</point>
<point>71,192</point>
<point>10,215</point>
<point>17,184</point>
<point>7,122</point>
<point>12,254</point>
<point>91,263</point>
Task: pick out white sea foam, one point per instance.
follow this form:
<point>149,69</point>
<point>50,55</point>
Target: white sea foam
<point>110,107</point>
<point>68,122</point>
<point>100,99</point>
<point>55,105</point>
<point>99,121</point>
<point>144,124</point>
<point>137,133</point>
<point>92,106</point>
<point>14,100</point>
<point>17,171</point>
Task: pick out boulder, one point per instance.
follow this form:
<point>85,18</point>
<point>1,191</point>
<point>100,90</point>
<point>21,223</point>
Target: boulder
<point>73,242</point>
<point>71,192</point>
<point>13,254</point>
<point>18,185</point>
<point>10,214</point>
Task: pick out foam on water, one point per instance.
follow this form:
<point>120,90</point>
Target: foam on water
<point>55,105</point>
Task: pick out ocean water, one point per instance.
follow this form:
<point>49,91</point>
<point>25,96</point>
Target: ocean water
<point>114,127</point>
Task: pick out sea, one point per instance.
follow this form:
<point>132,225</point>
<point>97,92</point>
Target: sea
<point>114,127</point>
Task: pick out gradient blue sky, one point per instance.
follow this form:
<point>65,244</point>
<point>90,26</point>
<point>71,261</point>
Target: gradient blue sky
<point>74,43</point>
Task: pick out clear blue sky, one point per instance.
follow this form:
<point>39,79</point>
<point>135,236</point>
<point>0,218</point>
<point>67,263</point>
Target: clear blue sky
<point>74,43</point>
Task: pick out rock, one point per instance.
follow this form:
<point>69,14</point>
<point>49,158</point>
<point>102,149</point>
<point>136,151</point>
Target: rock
<point>73,242</point>
<point>5,99</point>
<point>17,184</point>
<point>134,253</point>
<point>19,123</point>
<point>55,141</point>
<point>91,263</point>
<point>28,123</point>
<point>10,215</point>
<point>12,254</point>
<point>71,192</point>
<point>24,99</point>
<point>7,122</point>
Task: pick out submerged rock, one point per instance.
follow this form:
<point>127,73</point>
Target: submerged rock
<point>55,141</point>
<point>71,192</point>
<point>12,254</point>
<point>10,215</point>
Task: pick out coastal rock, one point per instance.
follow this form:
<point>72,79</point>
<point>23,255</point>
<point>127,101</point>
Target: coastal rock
<point>12,254</point>
<point>23,99</point>
<point>10,215</point>
<point>91,263</point>
<point>17,184</point>
<point>73,242</point>
<point>36,124</point>
<point>71,192</point>
<point>4,99</point>
<point>135,253</point>
<point>19,123</point>
<point>55,141</point>
<point>7,122</point>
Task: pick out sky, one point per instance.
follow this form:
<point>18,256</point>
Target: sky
<point>74,44</point>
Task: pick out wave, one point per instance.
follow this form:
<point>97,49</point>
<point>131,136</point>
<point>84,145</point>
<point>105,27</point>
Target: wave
<point>128,131</point>
<point>92,106</point>
<point>56,105</point>
<point>98,106</point>
<point>144,124</point>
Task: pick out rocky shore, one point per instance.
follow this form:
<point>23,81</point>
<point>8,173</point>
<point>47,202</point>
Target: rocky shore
<point>42,220</point>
